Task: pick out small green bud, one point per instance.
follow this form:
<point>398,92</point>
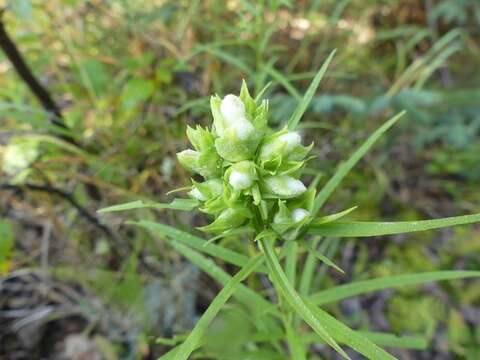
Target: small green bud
<point>207,190</point>
<point>189,159</point>
<point>204,163</point>
<point>284,187</point>
<point>283,215</point>
<point>228,219</point>
<point>201,139</point>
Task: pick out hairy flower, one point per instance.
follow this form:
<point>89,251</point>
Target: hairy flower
<point>248,168</point>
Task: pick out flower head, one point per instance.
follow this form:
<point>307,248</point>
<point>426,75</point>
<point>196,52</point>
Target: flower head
<point>250,171</point>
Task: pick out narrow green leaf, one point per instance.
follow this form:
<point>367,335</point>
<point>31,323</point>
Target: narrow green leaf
<point>395,341</point>
<point>295,343</point>
<point>389,282</point>
<point>308,269</point>
<point>176,204</point>
<point>291,248</point>
<point>243,294</point>
<point>296,302</point>
<point>370,228</point>
<point>195,242</point>
<point>345,167</point>
<point>307,98</point>
<point>380,339</point>
<point>278,76</point>
<point>321,257</point>
<point>343,334</point>
<point>262,92</point>
<point>216,305</point>
<point>333,217</point>
<point>6,243</point>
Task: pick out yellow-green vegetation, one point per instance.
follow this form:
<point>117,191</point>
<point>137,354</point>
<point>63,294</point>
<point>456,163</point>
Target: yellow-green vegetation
<point>297,251</point>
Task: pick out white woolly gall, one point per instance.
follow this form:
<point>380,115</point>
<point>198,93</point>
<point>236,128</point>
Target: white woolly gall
<point>239,180</point>
<point>232,109</point>
<point>243,128</point>
<point>300,214</point>
<point>196,194</point>
<point>295,186</point>
<point>290,140</point>
<point>285,186</point>
<point>189,153</point>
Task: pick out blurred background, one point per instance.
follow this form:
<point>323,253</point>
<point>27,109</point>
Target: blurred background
<point>95,97</point>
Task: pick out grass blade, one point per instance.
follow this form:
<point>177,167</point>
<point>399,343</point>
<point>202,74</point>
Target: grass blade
<point>389,282</point>
<point>345,168</point>
<point>343,334</point>
<point>380,339</point>
<point>243,294</point>
<point>308,269</point>
<point>333,217</point>
<point>371,228</point>
<point>216,305</point>
<point>307,98</point>
<point>324,259</point>
<point>176,204</point>
<point>399,342</point>
<point>195,242</point>
<point>296,302</point>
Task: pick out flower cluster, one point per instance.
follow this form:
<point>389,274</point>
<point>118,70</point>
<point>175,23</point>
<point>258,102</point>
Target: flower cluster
<point>250,172</point>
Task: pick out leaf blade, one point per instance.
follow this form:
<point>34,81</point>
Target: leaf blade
<point>176,204</point>
<point>371,228</point>
<point>195,242</point>
<point>296,302</point>
<point>365,286</point>
<point>193,339</point>
<point>345,167</point>
<point>307,98</point>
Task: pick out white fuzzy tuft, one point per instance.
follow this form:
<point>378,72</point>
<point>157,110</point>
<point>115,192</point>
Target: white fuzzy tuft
<point>291,140</point>
<point>190,153</point>
<point>285,186</point>
<point>196,194</point>
<point>240,181</point>
<point>295,187</point>
<point>300,214</point>
<point>232,109</point>
<point>243,128</point>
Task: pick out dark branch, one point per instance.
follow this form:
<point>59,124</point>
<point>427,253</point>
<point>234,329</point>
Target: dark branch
<point>22,69</point>
<point>68,197</point>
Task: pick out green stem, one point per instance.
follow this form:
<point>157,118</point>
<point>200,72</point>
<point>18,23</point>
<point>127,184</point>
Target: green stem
<point>279,278</point>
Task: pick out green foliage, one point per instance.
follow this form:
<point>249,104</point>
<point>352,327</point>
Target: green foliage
<point>6,245</point>
<point>237,119</point>
<point>130,76</point>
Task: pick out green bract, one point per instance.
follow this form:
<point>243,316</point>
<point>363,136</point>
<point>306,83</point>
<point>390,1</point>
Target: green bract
<point>247,167</point>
